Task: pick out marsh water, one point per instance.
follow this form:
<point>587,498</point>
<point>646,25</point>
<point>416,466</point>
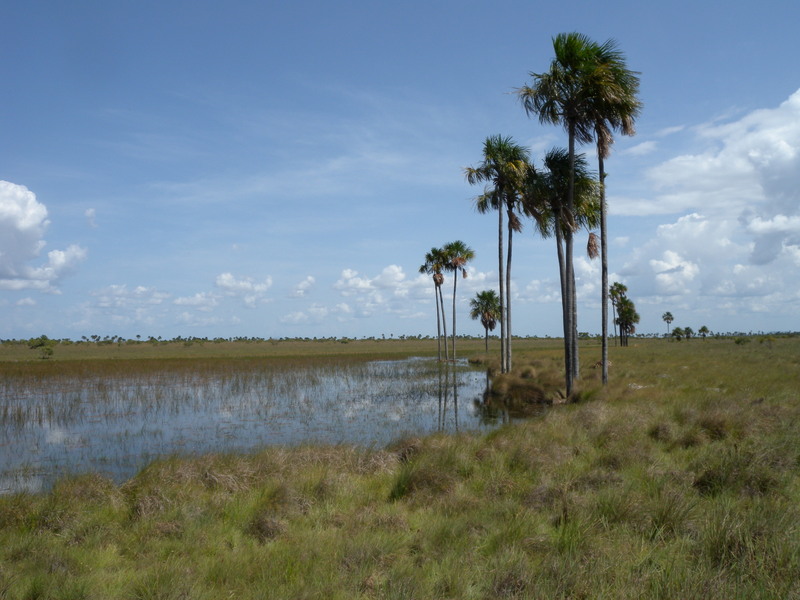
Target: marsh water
<point>115,425</point>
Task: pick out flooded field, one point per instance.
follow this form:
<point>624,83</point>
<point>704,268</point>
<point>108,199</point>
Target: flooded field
<point>116,423</point>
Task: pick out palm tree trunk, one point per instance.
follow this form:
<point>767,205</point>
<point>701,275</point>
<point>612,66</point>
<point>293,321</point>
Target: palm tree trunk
<point>438,321</point>
<point>486,339</point>
<point>455,285</point>
<point>444,323</point>
<point>604,263</point>
<point>503,368</point>
<point>576,374</point>
<point>508,293</point>
<point>568,259</point>
<point>562,271</point>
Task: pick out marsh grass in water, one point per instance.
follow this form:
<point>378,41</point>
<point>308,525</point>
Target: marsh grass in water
<point>122,415</point>
<point>680,480</point>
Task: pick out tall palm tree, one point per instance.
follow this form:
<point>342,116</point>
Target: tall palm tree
<point>614,89</point>
<point>458,254</point>
<point>558,97</point>
<point>668,319</point>
<point>590,92</point>
<point>486,307</point>
<point>503,169</point>
<point>434,264</point>
<point>545,200</point>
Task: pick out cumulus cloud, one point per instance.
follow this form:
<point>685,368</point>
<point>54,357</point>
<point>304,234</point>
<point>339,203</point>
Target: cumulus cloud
<point>736,233</point>
<point>302,288</point>
<point>249,290</point>
<point>119,296</point>
<point>23,221</point>
<point>204,301</point>
<point>294,318</point>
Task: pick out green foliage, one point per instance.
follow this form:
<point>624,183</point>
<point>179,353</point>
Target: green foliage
<point>44,345</point>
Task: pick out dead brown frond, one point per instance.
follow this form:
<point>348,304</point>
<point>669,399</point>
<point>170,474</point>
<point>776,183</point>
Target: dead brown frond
<point>593,247</point>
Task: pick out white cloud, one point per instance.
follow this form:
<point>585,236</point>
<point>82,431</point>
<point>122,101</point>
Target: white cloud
<point>90,215</point>
<point>302,288</point>
<point>674,273</point>
<point>26,302</point>
<point>249,290</point>
<point>294,318</point>
<point>670,130</point>
<point>23,221</point>
<point>204,301</point>
<point>119,296</point>
<point>641,149</point>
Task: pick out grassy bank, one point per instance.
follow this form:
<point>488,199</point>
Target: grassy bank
<point>678,481</point>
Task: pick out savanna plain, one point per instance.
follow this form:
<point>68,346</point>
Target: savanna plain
<point>680,479</point>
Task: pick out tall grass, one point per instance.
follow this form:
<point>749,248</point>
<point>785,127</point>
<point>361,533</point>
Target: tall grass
<point>680,480</point>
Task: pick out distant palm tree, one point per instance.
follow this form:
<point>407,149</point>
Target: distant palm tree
<point>503,170</point>
<point>486,307</point>
<point>458,254</point>
<point>627,319</point>
<point>668,319</point>
<point>434,264</point>
<point>688,332</point>
<point>703,331</point>
<point>616,293</point>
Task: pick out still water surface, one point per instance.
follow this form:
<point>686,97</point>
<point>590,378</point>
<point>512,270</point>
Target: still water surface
<point>115,426</point>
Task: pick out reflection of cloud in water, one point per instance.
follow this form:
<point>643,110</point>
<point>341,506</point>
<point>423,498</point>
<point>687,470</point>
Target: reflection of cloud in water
<point>58,436</point>
<point>121,424</point>
<point>31,484</point>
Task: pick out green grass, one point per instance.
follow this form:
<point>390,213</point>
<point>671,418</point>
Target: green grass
<point>680,480</point>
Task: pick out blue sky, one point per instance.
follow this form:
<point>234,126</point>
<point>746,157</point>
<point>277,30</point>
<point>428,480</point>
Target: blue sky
<point>280,169</point>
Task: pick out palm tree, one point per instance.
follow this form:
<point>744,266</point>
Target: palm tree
<point>486,307</point>
<point>668,319</point>
<point>503,170</point>
<point>616,107</point>
<point>590,92</point>
<point>703,331</point>
<point>458,254</point>
<point>545,200</point>
<point>627,319</point>
<point>558,97</point>
<point>616,293</point>
<point>688,332</point>
<point>434,264</point>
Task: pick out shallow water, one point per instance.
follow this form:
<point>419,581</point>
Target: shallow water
<point>116,426</point>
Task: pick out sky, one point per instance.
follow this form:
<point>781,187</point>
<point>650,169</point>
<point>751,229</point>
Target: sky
<point>276,169</point>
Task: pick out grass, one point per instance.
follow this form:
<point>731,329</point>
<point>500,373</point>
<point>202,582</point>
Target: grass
<point>679,480</point>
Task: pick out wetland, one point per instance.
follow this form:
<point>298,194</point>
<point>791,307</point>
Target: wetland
<point>113,419</point>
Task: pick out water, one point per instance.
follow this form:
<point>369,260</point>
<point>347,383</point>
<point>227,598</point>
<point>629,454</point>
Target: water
<point>51,427</point>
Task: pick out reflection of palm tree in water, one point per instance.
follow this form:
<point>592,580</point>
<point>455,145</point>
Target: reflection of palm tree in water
<point>444,392</point>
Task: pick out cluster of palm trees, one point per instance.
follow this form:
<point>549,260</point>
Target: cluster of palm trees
<point>588,90</point>
<point>682,332</point>
<point>625,313</point>
<point>453,258</point>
